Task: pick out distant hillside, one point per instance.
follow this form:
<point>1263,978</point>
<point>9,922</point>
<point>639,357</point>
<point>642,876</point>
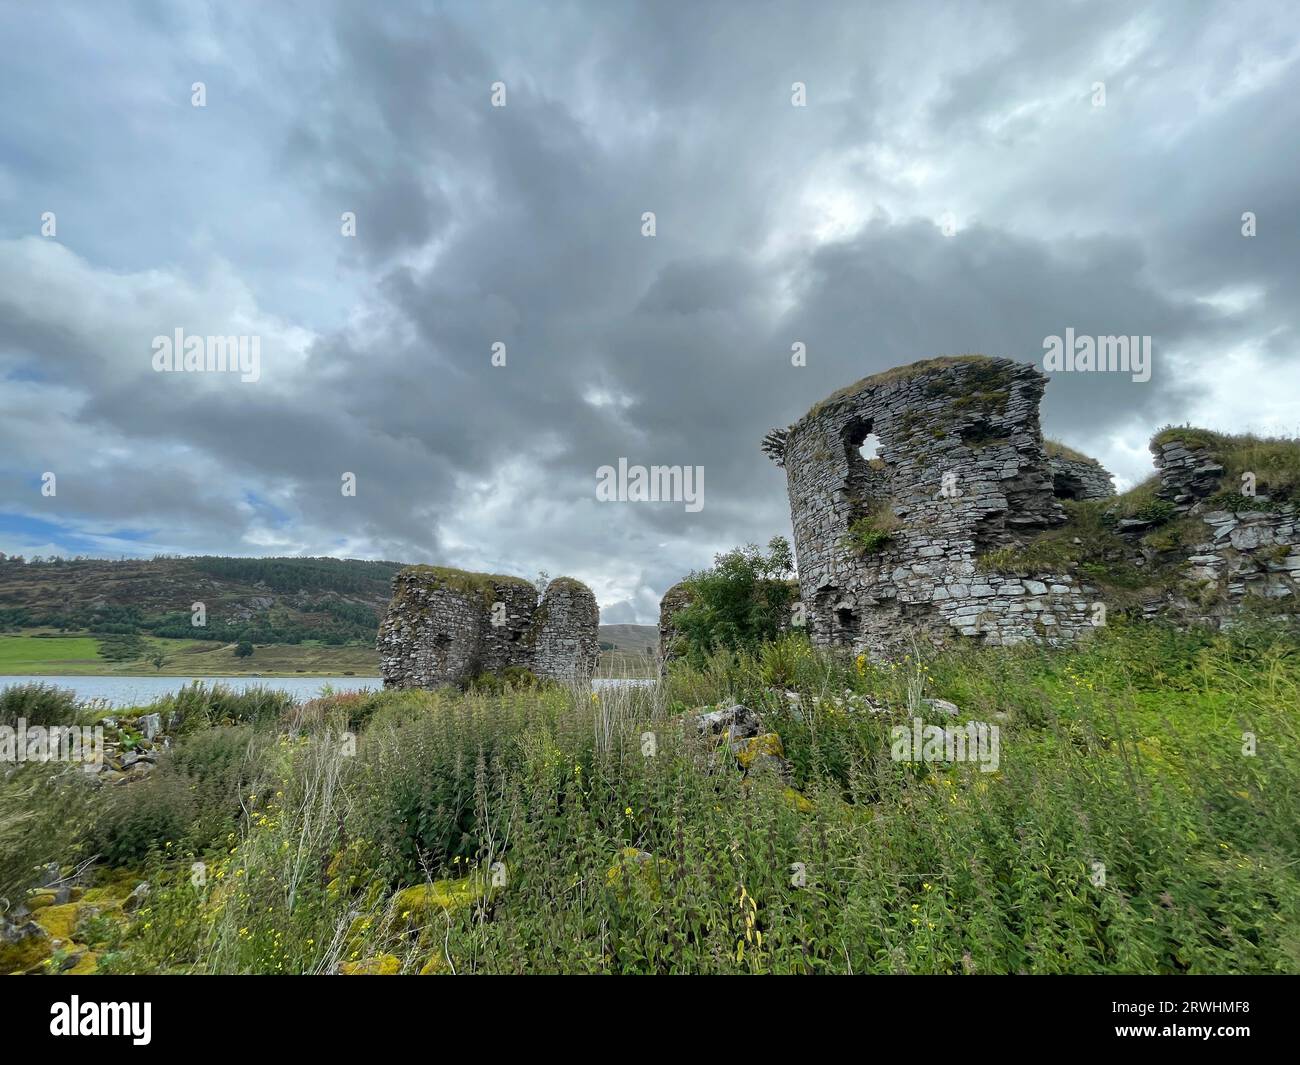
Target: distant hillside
<point>262,600</point>
<point>258,600</point>
<point>632,639</point>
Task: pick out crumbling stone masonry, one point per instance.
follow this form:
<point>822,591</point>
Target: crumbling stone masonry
<point>446,626</point>
<point>1078,477</point>
<point>1242,548</point>
<point>887,543</point>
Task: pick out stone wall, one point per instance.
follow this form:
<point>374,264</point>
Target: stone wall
<point>446,626</point>
<point>1079,478</point>
<point>567,621</point>
<point>887,545</point>
<point>913,493</point>
<point>678,597</point>
<point>1241,548</point>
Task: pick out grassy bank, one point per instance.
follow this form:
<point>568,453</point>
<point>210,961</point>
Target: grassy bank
<point>1144,817</point>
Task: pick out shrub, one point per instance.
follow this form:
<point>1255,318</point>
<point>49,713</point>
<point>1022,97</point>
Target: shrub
<point>39,704</point>
<point>194,796</point>
<point>197,705</point>
<point>142,817</point>
<point>780,659</point>
<point>741,602</point>
<point>42,811</point>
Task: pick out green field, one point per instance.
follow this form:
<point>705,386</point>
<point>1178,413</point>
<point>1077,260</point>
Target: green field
<point>58,654</point>
<point>36,654</point>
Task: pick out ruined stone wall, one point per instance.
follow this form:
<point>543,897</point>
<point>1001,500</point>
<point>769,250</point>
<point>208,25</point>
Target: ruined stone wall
<point>678,597</point>
<point>446,626</point>
<point>1078,478</point>
<point>1242,548</point>
<point>567,623</point>
<point>887,546</point>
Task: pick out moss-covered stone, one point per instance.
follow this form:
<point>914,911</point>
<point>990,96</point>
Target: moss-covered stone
<point>59,921</point>
<point>415,905</point>
<point>901,373</point>
<point>24,948</point>
<point>767,744</point>
<point>484,585</point>
<point>379,965</point>
<point>798,800</point>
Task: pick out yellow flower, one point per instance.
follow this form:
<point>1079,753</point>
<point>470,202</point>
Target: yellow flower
<point>628,811</point>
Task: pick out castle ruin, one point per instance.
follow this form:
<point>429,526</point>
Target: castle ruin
<point>916,493</point>
<point>955,466</point>
<point>446,627</point>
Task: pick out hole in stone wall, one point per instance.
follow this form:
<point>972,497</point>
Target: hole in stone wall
<point>1066,487</point>
<point>860,443</point>
<point>845,619</point>
<point>979,433</point>
<point>866,480</point>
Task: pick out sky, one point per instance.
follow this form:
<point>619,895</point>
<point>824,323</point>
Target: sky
<point>381,194</point>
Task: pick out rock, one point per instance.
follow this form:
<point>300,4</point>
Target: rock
<point>150,725</point>
<point>767,744</point>
<point>83,964</point>
<point>23,946</point>
<point>379,965</point>
<point>798,800</point>
<point>737,720</point>
<point>943,706</point>
<point>638,869</point>
<point>137,897</point>
<point>415,905</point>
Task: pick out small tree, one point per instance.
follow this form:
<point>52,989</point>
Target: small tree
<point>244,649</point>
<point>159,660</point>
<point>742,601</point>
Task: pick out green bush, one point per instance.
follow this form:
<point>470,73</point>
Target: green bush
<point>742,601</point>
<point>143,817</point>
<point>198,705</point>
<point>193,798</point>
<point>39,704</point>
<point>42,813</point>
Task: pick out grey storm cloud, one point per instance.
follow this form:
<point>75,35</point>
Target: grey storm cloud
<point>948,188</point>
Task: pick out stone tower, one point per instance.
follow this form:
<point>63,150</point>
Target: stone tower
<point>446,626</point>
<point>899,483</point>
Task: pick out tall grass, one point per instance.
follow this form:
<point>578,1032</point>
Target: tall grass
<point>1126,829</point>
